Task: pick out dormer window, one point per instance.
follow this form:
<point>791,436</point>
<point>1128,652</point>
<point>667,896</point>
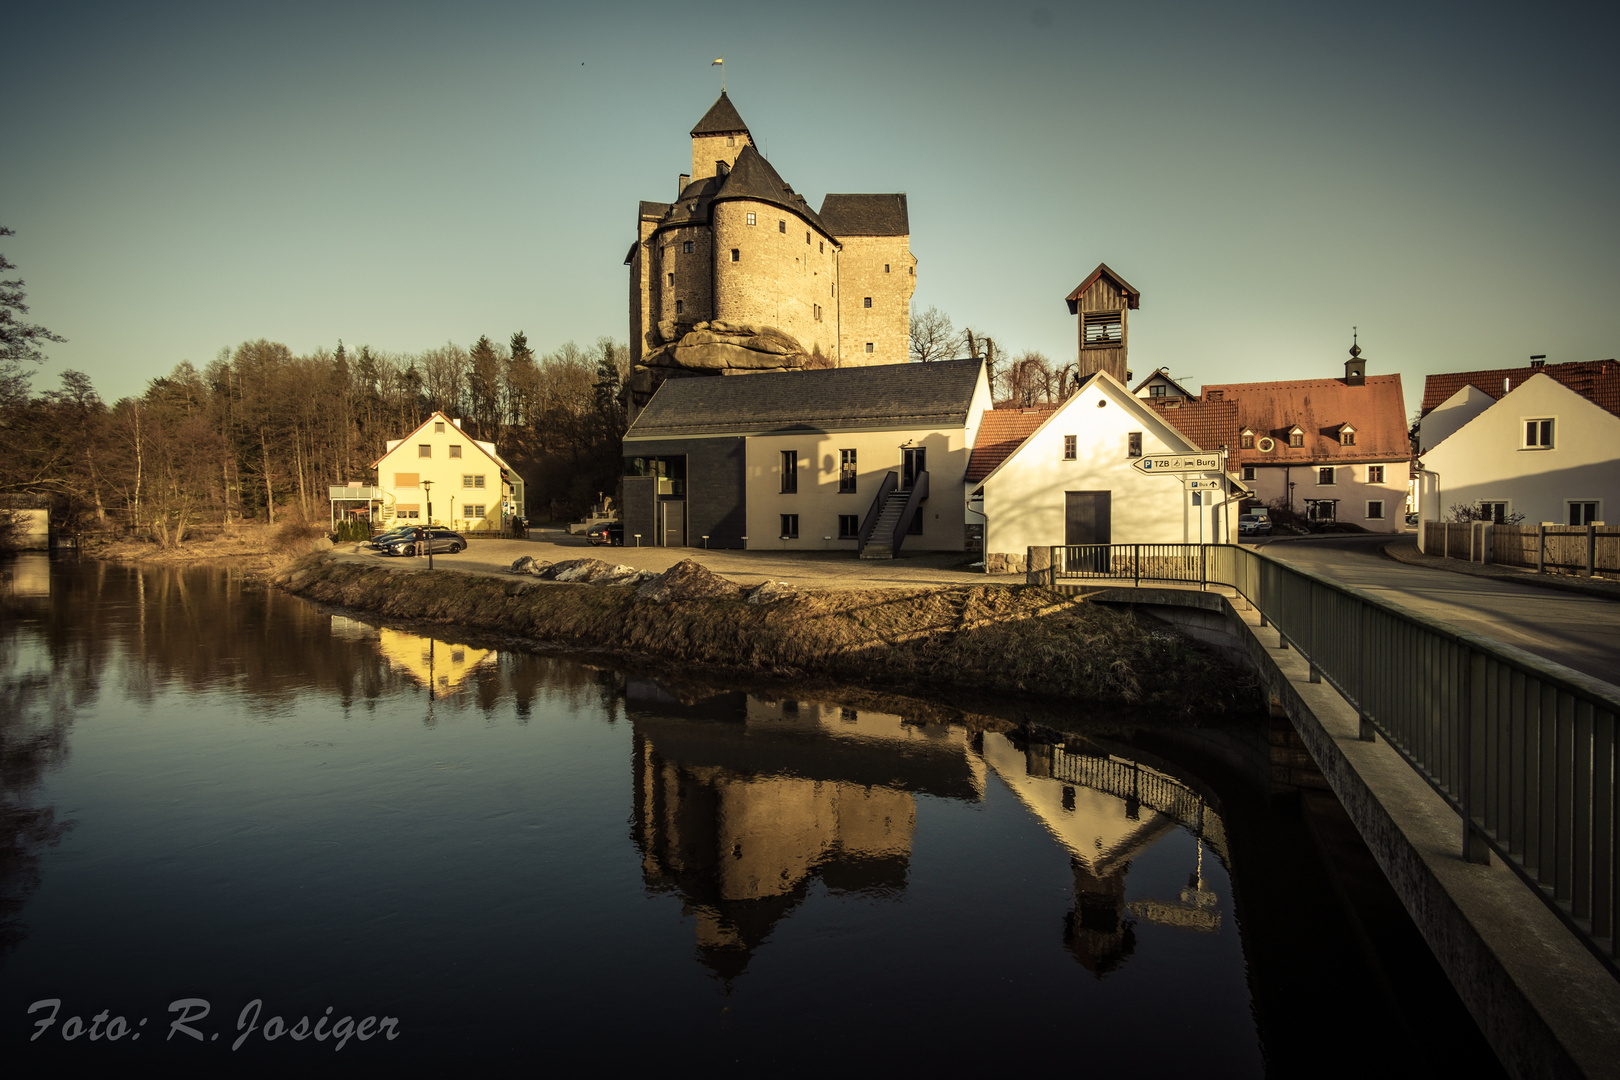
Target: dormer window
<point>1347,435</point>
<point>1158,389</point>
<point>1296,437</point>
<point>1246,439</point>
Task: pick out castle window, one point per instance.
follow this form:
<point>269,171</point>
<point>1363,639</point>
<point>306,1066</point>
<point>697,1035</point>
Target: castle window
<point>731,140</point>
<point>736,255</point>
<point>885,268</point>
<point>913,271</point>
<point>868,302</point>
<point>821,246</point>
<point>817,308</point>
<point>781,226</point>
<point>868,346</point>
<point>686,248</point>
<point>753,219</point>
<point>680,307</point>
<point>672,278</point>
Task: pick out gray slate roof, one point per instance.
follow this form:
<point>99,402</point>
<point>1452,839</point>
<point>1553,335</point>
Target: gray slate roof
<point>866,215</point>
<point>752,177</point>
<point>830,399</point>
<point>721,119</point>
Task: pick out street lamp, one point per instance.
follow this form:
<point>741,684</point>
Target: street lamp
<point>427,486</point>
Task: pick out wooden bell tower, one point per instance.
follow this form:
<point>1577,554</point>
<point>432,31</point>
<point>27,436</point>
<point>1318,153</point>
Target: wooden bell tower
<point>1103,301</point>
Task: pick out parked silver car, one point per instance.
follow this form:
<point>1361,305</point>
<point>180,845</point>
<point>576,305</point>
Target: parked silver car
<point>440,541</point>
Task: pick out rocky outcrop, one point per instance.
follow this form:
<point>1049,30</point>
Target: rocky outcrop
<point>721,346</point>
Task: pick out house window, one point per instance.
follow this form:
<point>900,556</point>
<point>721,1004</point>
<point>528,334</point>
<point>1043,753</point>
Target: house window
<point>672,278</point>
<point>1375,474</point>
<point>473,511</point>
<point>424,450</point>
<point>1538,435</point>
<point>1070,450</point>
<point>790,472</point>
<point>686,247</point>
<point>1102,329</point>
<point>1296,438</point>
<point>472,481</point>
<point>1246,440</point>
<point>438,427</point>
<point>781,226</point>
<point>1324,475</point>
<point>1133,444</point>
<point>849,526</point>
<point>1375,509</point>
<point>868,346</point>
<point>455,450</point>
<point>680,306</point>
<point>790,526</point>
<point>1157,390</point>
<point>753,219</point>
<point>1583,513</point>
<point>1495,512</point>
<point>1347,436</point>
<point>1248,472</point>
<point>1322,509</point>
<point>846,471</point>
<point>408,512</point>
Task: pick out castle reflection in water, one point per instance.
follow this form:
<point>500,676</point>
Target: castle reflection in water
<point>742,802</point>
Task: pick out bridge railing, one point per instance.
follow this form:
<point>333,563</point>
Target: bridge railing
<point>1524,750</point>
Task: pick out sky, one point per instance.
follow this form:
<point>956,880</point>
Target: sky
<point>185,177</point>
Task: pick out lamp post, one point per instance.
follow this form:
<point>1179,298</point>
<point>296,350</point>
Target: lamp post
<point>427,486</point>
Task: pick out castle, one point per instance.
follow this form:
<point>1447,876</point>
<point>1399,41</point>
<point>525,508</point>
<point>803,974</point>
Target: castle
<point>740,274</point>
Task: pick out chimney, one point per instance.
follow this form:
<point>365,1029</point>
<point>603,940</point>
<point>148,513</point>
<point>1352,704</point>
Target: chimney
<point>681,185</point>
<point>1539,361</point>
<point>457,423</point>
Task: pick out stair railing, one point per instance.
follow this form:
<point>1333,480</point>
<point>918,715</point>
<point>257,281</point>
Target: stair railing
<point>919,492</point>
<point>885,489</point>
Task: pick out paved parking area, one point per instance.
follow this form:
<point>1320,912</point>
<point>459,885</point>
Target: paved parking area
<point>801,569</point>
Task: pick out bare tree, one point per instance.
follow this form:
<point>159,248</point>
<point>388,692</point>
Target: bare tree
<point>932,336</point>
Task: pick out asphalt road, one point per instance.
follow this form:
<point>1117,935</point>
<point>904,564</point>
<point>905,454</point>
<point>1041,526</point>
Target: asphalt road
<point>1581,632</point>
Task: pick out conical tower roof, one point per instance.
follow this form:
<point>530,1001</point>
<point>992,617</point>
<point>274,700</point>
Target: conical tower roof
<point>721,119</point>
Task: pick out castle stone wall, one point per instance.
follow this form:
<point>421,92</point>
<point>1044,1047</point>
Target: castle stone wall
<point>708,149</point>
<point>779,279</point>
<point>689,297</point>
<point>883,269</point>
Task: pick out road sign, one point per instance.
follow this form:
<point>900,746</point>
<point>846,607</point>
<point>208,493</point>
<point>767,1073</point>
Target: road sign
<point>1179,463</point>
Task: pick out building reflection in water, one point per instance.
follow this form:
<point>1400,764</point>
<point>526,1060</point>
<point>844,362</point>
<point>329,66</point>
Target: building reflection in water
<point>440,667</point>
<point>1105,811</point>
<point>740,803</point>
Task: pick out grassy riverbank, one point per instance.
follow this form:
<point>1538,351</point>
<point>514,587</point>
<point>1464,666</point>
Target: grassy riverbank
<point>988,639</point>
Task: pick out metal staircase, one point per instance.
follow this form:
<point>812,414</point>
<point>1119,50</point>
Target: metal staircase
<point>890,516</point>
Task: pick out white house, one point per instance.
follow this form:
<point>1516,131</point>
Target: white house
<point>472,488</point>
<point>1543,452</point>
<point>1072,479</point>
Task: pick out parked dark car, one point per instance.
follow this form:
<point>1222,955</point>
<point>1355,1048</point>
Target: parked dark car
<point>607,534</point>
<point>1250,525</point>
<point>394,535</point>
<point>440,541</point>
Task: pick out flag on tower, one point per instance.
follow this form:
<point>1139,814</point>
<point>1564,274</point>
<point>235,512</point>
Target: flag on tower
<point>719,61</point>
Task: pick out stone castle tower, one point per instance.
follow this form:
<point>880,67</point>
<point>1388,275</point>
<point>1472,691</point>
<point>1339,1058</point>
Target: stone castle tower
<point>740,274</point>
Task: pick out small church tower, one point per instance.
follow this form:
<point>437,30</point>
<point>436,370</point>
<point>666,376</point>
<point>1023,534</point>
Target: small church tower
<point>717,140</point>
<point>1102,301</point>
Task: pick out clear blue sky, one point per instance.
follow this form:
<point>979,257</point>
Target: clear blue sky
<point>186,177</point>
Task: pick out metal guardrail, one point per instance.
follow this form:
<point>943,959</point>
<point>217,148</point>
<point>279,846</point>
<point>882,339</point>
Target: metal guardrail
<point>1523,749</point>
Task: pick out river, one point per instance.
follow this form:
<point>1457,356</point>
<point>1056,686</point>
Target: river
<point>227,810</point>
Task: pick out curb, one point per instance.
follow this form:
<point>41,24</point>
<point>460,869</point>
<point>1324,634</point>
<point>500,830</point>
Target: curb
<point>1603,590</point>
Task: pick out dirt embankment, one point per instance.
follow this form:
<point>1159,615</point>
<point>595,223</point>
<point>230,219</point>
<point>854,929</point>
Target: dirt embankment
<point>258,548</point>
<point>987,639</point>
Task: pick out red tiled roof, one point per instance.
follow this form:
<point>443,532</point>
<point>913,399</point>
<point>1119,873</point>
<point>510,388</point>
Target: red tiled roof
<point>1002,431</point>
<point>1376,410</point>
<point>1209,425</point>
<point>1596,380</point>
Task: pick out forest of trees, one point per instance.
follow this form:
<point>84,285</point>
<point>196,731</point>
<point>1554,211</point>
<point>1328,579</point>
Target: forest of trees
<point>260,433</point>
